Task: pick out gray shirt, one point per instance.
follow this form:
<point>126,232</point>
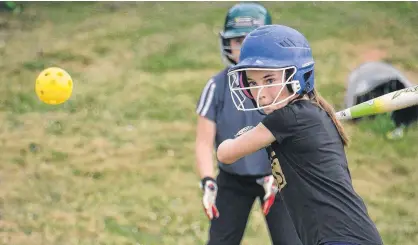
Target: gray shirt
<point>215,103</point>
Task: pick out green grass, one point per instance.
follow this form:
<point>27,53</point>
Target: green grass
<point>115,164</point>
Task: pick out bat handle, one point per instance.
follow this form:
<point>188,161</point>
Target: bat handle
<point>343,115</point>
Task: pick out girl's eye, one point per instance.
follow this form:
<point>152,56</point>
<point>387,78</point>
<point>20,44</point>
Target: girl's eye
<point>252,83</point>
<point>270,81</point>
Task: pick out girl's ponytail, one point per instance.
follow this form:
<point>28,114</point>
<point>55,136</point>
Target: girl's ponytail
<point>323,104</point>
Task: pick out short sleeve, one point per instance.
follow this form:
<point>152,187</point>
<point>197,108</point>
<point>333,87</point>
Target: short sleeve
<point>207,103</point>
<point>281,123</point>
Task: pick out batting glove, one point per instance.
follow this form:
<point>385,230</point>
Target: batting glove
<point>210,189</point>
<point>270,188</point>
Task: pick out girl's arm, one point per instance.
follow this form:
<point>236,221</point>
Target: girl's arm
<point>255,139</point>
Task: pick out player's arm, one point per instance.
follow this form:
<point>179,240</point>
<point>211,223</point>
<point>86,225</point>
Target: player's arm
<point>205,137</point>
<point>255,139</point>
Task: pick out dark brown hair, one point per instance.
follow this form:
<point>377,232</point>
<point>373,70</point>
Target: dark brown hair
<point>324,105</point>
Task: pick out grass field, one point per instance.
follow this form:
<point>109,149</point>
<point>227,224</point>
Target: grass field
<point>115,164</point>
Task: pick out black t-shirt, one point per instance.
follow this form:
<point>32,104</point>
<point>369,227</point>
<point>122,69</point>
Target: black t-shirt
<point>309,162</point>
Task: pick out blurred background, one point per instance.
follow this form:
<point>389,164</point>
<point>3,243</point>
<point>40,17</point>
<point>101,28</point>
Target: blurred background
<point>115,164</point>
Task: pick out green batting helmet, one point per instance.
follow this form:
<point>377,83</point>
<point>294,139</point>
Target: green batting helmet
<point>240,20</point>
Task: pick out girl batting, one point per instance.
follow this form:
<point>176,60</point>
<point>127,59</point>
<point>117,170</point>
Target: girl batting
<point>229,196</point>
<point>304,139</point>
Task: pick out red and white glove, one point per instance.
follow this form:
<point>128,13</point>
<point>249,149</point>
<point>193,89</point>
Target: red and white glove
<point>270,189</point>
<point>210,190</point>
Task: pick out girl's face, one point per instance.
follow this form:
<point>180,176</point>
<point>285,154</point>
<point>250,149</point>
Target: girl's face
<point>236,47</point>
<point>272,95</point>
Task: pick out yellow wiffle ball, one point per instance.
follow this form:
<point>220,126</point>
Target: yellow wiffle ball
<point>54,86</point>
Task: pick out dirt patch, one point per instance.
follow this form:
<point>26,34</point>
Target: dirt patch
<point>368,52</point>
<point>373,54</point>
<point>339,59</point>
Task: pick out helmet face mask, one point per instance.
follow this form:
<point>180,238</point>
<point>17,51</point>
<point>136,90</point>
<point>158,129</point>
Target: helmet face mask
<point>241,89</point>
<point>226,48</point>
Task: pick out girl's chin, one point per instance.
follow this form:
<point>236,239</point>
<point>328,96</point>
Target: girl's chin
<point>268,110</point>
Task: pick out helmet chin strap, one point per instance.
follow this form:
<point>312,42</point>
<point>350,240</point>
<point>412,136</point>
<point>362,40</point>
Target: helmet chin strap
<point>230,56</point>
